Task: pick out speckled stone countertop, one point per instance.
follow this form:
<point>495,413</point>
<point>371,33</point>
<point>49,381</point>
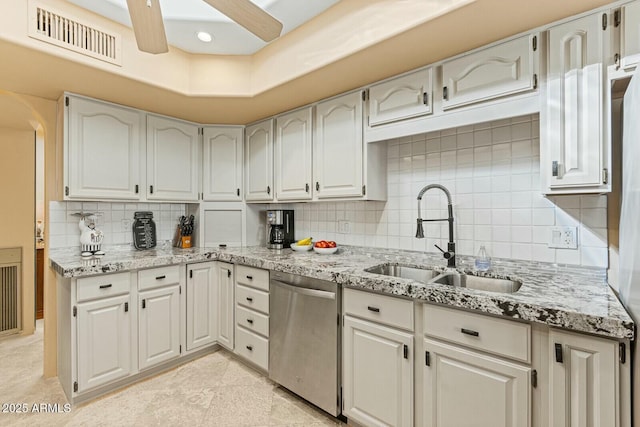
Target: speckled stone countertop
<point>570,297</point>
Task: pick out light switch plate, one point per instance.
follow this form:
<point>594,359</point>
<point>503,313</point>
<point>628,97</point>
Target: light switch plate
<point>564,237</point>
<point>344,227</point>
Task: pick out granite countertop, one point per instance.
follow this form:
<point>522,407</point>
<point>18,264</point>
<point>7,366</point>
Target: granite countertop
<point>571,297</point>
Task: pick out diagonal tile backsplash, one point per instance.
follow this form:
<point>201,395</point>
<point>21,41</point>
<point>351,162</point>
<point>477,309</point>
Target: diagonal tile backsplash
<point>492,171</point>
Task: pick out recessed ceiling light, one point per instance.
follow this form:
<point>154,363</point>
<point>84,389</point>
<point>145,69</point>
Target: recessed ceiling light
<point>203,36</point>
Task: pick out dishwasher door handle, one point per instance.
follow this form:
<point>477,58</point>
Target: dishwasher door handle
<point>305,291</point>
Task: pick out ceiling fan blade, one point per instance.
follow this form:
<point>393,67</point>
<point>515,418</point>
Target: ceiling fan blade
<point>250,16</point>
<point>148,26</point>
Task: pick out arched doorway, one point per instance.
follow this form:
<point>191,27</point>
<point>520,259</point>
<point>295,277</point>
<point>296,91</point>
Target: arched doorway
<point>23,121</point>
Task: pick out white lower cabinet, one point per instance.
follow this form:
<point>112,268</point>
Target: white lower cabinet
<point>225,308</point>
<point>202,321</point>
<point>377,361</point>
<point>158,325</point>
<point>252,315</point>
<point>463,388</point>
<point>584,380</point>
<point>104,346</point>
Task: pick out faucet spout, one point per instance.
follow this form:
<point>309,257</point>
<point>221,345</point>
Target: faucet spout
<point>449,255</point>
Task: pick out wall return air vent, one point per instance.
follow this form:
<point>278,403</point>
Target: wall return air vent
<point>53,27</point>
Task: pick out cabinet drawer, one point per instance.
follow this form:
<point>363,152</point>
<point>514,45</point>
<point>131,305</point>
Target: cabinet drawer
<point>252,347</point>
<point>158,277</point>
<point>254,277</point>
<point>102,286</point>
<point>252,320</point>
<point>252,298</point>
<point>383,309</point>
<point>502,337</point>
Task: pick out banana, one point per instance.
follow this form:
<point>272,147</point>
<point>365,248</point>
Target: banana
<point>304,242</point>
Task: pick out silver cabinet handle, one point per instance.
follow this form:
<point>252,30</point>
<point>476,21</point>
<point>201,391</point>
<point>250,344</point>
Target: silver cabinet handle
<point>305,291</point>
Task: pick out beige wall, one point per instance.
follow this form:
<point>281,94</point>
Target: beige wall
<point>17,187</point>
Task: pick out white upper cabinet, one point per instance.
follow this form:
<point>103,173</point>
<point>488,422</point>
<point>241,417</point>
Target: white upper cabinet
<point>630,37</point>
<point>172,159</point>
<point>222,164</point>
<point>401,98</point>
<point>572,130</point>
<point>338,147</point>
<point>503,69</point>
<point>100,140</point>
<point>293,176</point>
<point>258,162</point>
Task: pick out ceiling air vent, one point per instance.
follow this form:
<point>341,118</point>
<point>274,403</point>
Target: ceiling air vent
<point>55,28</point>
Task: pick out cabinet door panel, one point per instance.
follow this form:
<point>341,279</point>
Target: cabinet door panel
<point>401,98</point>
<point>338,149</point>
<point>583,387</point>
<point>159,325</point>
<point>467,389</point>
<point>574,133</point>
<point>496,71</point>
<point>293,156</point>
<point>103,139</point>
<point>630,39</point>
<point>222,170</point>
<point>226,304</point>
<point>172,160</point>
<point>377,378</point>
<point>202,326</point>
<point>259,161</point>
<point>104,346</point>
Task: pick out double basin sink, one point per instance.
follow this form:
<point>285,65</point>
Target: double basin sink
<point>450,278</point>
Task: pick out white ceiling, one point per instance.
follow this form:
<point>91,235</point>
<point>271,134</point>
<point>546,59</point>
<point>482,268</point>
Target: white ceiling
<point>184,18</point>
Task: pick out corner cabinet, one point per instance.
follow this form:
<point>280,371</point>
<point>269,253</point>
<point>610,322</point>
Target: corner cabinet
<point>202,302</point>
<point>258,162</point>
<point>500,70</point>
<point>584,380</point>
<point>222,164</point>
<point>401,98</point>
<point>172,160</point>
<point>575,148</point>
<point>293,145</point>
<point>226,304</point>
<point>630,35</point>
<point>100,139</point>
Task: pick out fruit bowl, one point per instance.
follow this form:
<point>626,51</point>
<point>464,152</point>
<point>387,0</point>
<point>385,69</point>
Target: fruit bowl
<point>325,251</point>
<point>301,248</point>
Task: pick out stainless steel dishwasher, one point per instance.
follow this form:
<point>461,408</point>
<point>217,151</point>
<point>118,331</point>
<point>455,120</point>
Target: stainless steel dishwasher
<point>304,338</point>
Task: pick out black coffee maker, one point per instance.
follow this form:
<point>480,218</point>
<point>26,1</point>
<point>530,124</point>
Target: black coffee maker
<point>280,232</point>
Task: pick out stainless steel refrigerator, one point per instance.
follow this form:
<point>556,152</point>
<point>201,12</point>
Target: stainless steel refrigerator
<point>629,246</point>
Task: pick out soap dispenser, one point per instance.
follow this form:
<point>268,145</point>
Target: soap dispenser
<point>483,262</point>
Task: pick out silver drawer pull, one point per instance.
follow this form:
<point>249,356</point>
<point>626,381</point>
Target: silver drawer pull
<point>470,332</point>
<point>106,286</point>
<point>250,347</point>
<point>374,309</point>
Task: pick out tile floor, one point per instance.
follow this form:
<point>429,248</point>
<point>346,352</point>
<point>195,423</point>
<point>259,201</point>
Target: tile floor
<point>215,390</point>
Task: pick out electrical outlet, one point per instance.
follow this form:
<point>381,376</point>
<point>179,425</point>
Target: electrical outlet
<point>344,227</point>
<point>126,224</point>
<point>564,238</point>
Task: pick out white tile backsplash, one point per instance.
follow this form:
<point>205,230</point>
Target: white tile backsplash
<point>114,219</point>
<point>493,173</point>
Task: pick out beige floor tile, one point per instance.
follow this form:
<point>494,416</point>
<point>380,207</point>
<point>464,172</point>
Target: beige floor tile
<point>214,390</point>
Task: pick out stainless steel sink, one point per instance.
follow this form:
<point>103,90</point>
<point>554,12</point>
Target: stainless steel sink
<point>469,281</point>
<point>404,271</point>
